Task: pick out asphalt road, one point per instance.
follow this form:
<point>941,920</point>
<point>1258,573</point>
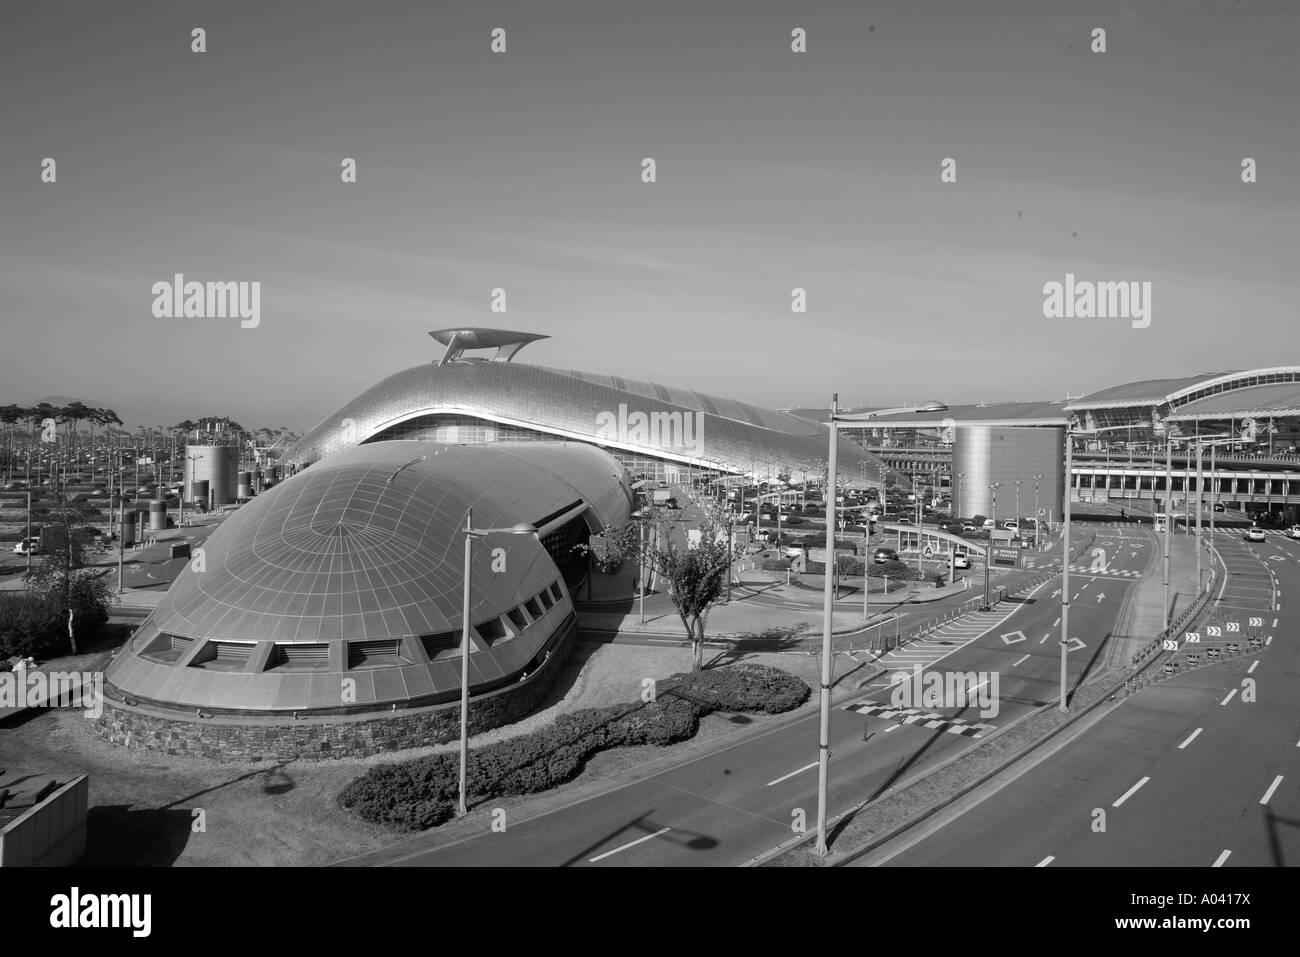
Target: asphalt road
<point>730,804</point>
<point>1200,770</point>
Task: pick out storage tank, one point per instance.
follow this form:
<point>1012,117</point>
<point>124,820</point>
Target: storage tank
<point>157,515</point>
<point>128,527</point>
<point>245,487</point>
<point>218,466</point>
<point>199,492</point>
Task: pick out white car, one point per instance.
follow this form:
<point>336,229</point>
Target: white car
<point>1293,531</point>
<point>28,546</point>
<point>1012,525</point>
<point>1254,534</point>
<point>961,560</point>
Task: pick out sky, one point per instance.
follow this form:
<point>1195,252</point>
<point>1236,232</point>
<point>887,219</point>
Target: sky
<point>522,170</point>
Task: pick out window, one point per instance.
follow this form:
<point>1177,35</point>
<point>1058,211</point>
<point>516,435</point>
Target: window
<point>533,608</point>
<point>300,657</point>
<point>517,619</point>
<point>377,653</point>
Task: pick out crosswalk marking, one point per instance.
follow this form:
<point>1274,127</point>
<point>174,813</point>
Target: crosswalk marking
<point>931,720</point>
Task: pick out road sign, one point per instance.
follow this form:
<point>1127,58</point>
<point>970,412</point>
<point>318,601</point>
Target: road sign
<point>1007,557</point>
<point>927,552</point>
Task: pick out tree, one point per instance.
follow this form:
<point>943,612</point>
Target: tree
<point>696,575</point>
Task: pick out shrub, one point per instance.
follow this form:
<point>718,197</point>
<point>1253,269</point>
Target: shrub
<point>423,793</point>
<point>776,564</point>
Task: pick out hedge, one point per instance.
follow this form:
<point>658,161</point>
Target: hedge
<point>423,793</point>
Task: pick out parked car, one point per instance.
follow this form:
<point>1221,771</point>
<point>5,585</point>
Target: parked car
<point>968,527</point>
<point>989,523</point>
<point>1254,534</point>
<point>882,555</point>
<point>903,520</point>
<point>1218,506</point>
<point>1293,531</point>
<point>961,560</point>
<point>28,546</point>
<point>1013,525</point>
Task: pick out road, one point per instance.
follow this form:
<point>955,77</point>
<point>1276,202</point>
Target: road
<point>1200,770</point>
<point>728,805</point>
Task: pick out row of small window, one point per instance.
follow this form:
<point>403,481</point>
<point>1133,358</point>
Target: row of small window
<point>361,653</point>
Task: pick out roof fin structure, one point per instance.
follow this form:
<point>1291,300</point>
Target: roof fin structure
<point>506,343</point>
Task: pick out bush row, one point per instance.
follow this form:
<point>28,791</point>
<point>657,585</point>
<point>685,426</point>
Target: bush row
<point>419,794</point>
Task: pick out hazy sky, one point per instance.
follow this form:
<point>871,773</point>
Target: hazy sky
<point>522,170</point>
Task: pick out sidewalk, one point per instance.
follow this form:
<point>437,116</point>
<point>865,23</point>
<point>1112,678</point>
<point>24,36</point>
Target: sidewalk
<point>1142,619</point>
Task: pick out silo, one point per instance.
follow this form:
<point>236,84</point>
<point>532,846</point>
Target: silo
<point>218,465</point>
<point>245,487</point>
<point>199,492</point>
<point>157,515</point>
<point>128,527</point>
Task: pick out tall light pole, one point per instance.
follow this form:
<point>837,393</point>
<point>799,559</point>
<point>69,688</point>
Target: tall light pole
<point>1063,706</point>
<point>988,551</point>
<point>956,498</point>
<point>828,603</point>
<point>1169,516</point>
<point>472,533</point>
<point>1037,519</point>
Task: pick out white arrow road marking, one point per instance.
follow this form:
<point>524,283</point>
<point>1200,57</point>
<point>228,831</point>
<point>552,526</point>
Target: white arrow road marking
<point>1101,597</point>
<point>1012,637</point>
<point>1222,857</point>
<point>1271,788</point>
<point>640,840</point>
<point>1055,593</point>
<point>1190,738</point>
<point>792,774</point>
<point>1130,792</point>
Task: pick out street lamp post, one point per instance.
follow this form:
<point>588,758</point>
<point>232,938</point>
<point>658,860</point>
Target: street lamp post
<point>472,533</point>
<point>1037,518</point>
<point>956,497</point>
<point>1017,508</point>
<point>988,552</point>
<point>824,753</point>
<point>1169,518</point>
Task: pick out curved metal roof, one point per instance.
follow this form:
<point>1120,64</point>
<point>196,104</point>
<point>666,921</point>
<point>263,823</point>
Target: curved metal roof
<point>707,430</point>
<point>358,547</point>
<point>364,554</point>
<point>1144,393</point>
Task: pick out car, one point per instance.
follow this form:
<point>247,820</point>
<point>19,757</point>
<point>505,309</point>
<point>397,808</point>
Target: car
<point>989,523</point>
<point>882,555</point>
<point>1013,525</point>
<point>961,560</point>
<point>1218,506</point>
<point>968,527</point>
<point>1254,534</point>
<point>903,520</point>
<point>670,503</point>
<point>28,546</point>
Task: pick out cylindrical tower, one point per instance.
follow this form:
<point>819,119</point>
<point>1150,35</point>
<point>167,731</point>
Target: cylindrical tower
<point>218,465</point>
<point>992,454</point>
